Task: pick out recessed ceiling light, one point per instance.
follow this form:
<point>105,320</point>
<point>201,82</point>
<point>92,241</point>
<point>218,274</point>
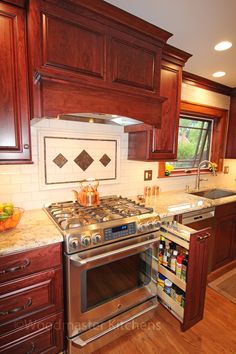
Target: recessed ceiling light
<point>223,45</point>
<point>219,74</point>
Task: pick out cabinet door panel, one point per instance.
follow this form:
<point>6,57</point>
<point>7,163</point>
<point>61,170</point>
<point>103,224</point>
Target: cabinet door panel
<point>196,278</point>
<point>14,103</point>
<point>165,140</point>
<point>73,47</point>
<point>133,65</point>
<point>23,298</point>
<point>45,336</point>
<point>224,241</point>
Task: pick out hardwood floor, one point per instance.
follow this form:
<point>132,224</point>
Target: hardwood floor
<point>216,333</point>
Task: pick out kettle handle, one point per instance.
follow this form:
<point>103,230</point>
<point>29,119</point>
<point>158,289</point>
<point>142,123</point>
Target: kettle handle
<point>75,194</point>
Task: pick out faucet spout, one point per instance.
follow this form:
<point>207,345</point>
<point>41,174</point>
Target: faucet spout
<point>198,179</point>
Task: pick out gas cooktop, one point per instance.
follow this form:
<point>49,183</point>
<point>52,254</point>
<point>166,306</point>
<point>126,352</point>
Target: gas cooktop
<point>115,217</point>
<point>70,214</point>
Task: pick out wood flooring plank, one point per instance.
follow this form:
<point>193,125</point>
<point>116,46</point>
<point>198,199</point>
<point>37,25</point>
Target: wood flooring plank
<point>215,334</point>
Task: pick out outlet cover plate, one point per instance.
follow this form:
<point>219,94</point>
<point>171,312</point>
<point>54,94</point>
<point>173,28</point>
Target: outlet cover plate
<point>147,175</point>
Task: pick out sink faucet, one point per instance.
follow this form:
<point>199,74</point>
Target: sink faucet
<point>198,179</point>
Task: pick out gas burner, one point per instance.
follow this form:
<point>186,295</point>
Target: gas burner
<point>114,218</point>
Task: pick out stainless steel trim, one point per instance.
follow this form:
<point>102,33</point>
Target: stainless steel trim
<point>198,215</point>
<point>81,343</point>
<point>77,261</point>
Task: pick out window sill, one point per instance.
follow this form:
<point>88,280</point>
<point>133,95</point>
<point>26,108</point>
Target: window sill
<point>183,174</point>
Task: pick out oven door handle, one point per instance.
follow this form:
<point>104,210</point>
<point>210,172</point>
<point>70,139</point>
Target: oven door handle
<point>77,261</point>
<point>79,342</point>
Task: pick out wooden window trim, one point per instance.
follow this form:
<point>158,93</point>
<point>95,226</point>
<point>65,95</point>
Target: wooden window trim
<point>219,135</point>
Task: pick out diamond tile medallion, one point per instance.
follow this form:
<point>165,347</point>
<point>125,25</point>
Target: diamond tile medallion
<point>84,160</point>
<point>67,158</point>
<point>105,160</point>
<point>60,160</point>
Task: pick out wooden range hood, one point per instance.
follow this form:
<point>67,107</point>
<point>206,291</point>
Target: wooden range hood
<point>89,56</point>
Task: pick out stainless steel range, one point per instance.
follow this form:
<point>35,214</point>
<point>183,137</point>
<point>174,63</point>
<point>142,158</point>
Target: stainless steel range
<point>109,274</point>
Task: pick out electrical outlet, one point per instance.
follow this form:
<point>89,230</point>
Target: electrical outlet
<point>147,175</point>
<point>226,170</point>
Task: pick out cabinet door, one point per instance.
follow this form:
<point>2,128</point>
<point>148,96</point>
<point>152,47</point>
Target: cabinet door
<point>14,100</point>
<point>231,141</point>
<point>224,241</point>
<point>196,278</point>
<point>165,140</point>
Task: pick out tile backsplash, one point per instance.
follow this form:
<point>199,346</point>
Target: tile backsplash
<point>22,185</point>
<point>65,157</point>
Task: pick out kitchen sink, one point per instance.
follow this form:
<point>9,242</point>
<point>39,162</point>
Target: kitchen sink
<point>214,193</point>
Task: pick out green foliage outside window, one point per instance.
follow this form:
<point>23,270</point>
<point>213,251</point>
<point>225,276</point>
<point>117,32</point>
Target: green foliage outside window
<point>193,142</point>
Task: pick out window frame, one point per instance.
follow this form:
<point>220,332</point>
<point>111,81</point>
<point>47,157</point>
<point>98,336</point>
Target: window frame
<point>219,116</point>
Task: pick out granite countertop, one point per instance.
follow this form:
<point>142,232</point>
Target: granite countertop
<point>178,202</point>
<point>35,229</point>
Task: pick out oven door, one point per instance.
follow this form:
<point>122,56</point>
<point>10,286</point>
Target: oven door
<point>108,280</point>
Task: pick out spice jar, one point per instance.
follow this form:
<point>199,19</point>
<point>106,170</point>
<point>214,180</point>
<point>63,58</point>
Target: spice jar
<point>173,292</point>
<point>168,286</point>
<point>161,280</point>
<point>179,294</point>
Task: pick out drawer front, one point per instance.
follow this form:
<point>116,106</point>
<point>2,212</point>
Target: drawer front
<point>28,298</point>
<point>24,263</point>
<point>45,336</point>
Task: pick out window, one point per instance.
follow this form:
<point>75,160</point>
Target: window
<point>206,129</point>
<point>194,142</point>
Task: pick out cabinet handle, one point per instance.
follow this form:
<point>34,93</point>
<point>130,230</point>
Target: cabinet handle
<point>37,77</point>
<point>16,268</point>
<point>32,349</point>
<point>17,309</point>
<point>201,238</point>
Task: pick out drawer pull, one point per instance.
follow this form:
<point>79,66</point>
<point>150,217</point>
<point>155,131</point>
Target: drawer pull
<point>32,349</point>
<point>16,268</point>
<point>17,309</point>
<point>201,238</point>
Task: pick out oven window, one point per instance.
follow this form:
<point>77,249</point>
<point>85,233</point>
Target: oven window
<point>108,281</point>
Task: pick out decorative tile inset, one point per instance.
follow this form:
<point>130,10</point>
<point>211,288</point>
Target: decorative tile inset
<point>60,160</point>
<point>84,160</point>
<point>105,160</point>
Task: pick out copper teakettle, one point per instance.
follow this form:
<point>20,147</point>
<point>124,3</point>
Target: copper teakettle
<point>88,194</point>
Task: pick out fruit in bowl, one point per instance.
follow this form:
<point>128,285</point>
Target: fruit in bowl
<point>9,216</point>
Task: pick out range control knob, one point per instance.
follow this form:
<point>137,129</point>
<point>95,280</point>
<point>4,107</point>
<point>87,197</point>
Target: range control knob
<point>142,227</point>
<point>150,225</point>
<point>96,238</point>
<point>86,240</point>
<point>157,224</point>
<point>74,243</point>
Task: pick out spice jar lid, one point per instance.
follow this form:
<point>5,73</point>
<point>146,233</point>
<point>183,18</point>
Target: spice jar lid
<point>168,283</point>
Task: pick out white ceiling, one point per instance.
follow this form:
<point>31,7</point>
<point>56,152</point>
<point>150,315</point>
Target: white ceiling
<point>197,25</point>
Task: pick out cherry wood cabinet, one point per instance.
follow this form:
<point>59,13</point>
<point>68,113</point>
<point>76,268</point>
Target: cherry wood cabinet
<point>225,235</point>
<point>31,301</point>
<point>14,99</point>
<point>196,244</point>
<point>147,142</point>
<point>92,57</point>
<point>231,141</point>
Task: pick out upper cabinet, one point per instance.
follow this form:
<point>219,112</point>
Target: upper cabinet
<point>231,142</point>
<point>94,58</point>
<point>150,143</point>
<point>14,99</point>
